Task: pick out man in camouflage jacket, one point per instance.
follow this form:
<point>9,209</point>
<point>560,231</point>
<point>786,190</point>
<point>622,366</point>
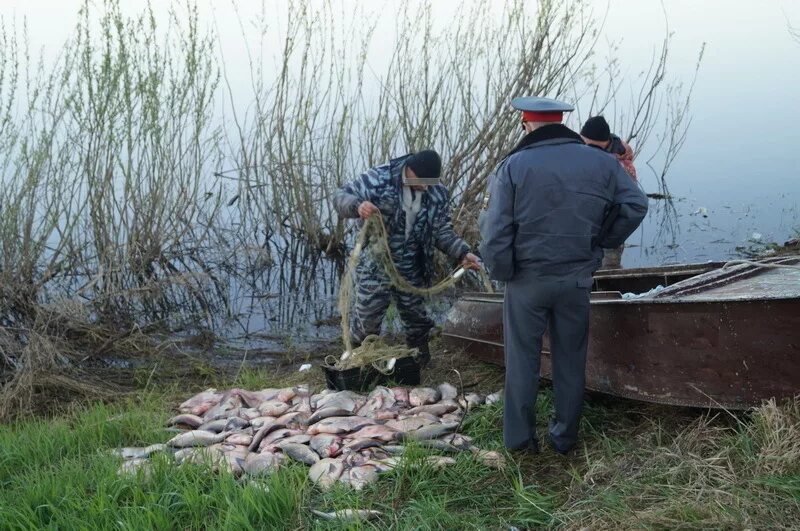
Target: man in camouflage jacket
<point>416,211</point>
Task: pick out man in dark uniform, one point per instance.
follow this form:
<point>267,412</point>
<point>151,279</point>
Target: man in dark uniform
<point>554,204</point>
<point>416,210</point>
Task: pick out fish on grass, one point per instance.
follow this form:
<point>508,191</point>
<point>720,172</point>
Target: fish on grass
<point>197,438</point>
<point>348,515</point>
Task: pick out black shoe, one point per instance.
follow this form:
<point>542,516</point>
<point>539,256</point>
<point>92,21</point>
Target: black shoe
<point>562,452</point>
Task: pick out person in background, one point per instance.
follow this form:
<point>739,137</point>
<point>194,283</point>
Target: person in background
<point>554,202</point>
<point>597,133</point>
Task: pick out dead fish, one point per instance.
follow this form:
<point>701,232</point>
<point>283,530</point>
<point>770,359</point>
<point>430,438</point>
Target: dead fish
<point>422,396</point>
<point>201,402</point>
<point>258,422</point>
<point>455,416</point>
<point>360,476</point>
<point>423,415</point>
<point>252,399</point>
<point>439,445</point>
<point>357,445</point>
<point>182,453</point>
<point>325,472</point>
<point>205,456</point>
<point>343,399</point>
<point>442,408</point>
<point>394,449</point>
<point>326,445</point>
<point>299,439</point>
<point>494,397</point>
<point>400,394</point>
<point>293,419</point>
<point>460,441</point>
<point>233,460</point>
<point>447,391</point>
<point>249,413</point>
<point>185,419</point>
<point>328,412</point>
<point>277,435</point>
<point>197,438</point>
<point>229,402</point>
<point>439,461</point>
<point>239,439</point>
<point>287,394</point>
<point>377,431</point>
<point>473,400</point>
<point>214,426</point>
<point>490,458</point>
<point>236,423</point>
<point>348,515</point>
<point>273,408</point>
<point>379,398</point>
<point>300,452</point>
<point>262,464</point>
<point>263,431</point>
<point>385,414</point>
<point>135,466</point>
<point>335,425</point>
<point>138,453</point>
<point>409,423</point>
<point>428,432</point>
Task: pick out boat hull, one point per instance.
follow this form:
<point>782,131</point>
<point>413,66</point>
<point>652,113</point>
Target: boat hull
<point>705,353</point>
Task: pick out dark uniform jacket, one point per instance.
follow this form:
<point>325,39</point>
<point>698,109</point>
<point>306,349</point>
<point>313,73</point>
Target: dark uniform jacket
<point>548,201</point>
<point>433,227</point>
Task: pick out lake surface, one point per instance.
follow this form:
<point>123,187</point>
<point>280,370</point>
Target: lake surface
<point>736,182</point>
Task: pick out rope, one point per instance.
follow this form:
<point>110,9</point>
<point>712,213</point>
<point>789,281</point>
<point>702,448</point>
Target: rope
<point>373,350</point>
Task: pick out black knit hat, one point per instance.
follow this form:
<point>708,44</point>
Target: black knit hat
<point>425,164</point>
<point>596,128</point>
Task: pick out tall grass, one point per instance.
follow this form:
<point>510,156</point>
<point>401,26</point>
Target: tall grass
<point>143,191</point>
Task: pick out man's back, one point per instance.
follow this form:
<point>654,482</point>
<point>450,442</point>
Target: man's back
<point>548,203</point>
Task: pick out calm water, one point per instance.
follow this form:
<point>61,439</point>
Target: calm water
<point>736,181</point>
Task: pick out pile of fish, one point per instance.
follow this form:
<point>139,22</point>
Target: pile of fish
<point>342,436</point>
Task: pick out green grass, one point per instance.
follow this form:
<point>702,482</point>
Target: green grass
<point>637,466</point>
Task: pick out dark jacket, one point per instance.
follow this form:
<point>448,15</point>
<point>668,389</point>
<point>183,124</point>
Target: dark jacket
<point>548,201</point>
<point>433,227</point>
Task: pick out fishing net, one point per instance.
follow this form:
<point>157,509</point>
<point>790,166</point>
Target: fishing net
<point>374,350</point>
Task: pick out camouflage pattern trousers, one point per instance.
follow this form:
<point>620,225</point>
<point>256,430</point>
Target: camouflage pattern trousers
<point>373,294</point>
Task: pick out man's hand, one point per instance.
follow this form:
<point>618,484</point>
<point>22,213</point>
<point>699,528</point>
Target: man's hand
<point>471,261</point>
<point>366,209</point>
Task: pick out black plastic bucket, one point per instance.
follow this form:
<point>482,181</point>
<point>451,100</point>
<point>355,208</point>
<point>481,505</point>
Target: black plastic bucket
<point>406,372</point>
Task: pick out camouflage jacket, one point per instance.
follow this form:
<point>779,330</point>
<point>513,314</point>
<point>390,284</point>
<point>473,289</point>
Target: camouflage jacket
<point>433,227</point>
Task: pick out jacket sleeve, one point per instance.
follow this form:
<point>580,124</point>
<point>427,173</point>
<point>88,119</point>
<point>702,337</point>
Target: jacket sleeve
<point>497,227</point>
<point>632,204</point>
<point>445,237</point>
<point>352,194</point>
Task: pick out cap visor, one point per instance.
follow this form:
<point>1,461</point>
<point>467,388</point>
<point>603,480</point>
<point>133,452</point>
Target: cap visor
<point>420,182</point>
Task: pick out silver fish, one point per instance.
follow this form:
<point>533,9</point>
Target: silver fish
<point>326,445</point>
<point>139,453</point>
<point>360,444</point>
<point>197,438</point>
<point>273,408</point>
<point>360,476</point>
<point>335,425</point>
<point>348,515</point>
<point>494,397</point>
<point>214,426</point>
<point>377,431</point>
<point>394,449</point>
<point>447,391</point>
<point>249,414</point>
<point>277,435</point>
<point>201,402</point>
<point>236,423</point>
<point>422,396</point>
<point>293,419</point>
<point>409,424</point>
<point>135,466</point>
<point>300,452</point>
<point>263,431</point>
<point>262,464</point>
<point>325,472</point>
<point>400,394</point>
<point>239,439</point>
<point>299,439</point>
<point>442,408</point>
<point>229,402</point>
<point>258,422</point>
<point>474,400</point>
<point>429,432</point>
<point>328,412</point>
<point>439,461</point>
<point>185,419</point>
